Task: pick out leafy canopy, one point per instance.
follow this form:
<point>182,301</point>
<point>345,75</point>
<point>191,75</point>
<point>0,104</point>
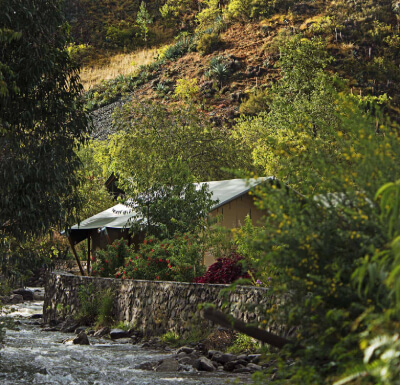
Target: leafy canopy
<point>150,136</point>
<point>41,117</point>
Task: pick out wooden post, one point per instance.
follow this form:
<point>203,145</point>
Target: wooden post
<point>88,256</point>
<point>76,256</point>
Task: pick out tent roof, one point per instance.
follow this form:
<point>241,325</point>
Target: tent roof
<point>117,217</point>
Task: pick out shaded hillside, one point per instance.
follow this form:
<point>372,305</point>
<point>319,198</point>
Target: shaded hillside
<point>362,37</point>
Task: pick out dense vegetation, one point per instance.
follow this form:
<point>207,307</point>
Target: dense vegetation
<point>310,96</point>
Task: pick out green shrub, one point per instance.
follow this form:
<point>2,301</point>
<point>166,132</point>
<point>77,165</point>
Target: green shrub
<point>257,102</point>
<point>88,305</point>
<point>186,89</point>
<point>105,316</point>
<point>121,34</point>
<point>242,344</point>
<point>183,45</point>
<point>123,326</point>
<point>106,262</point>
<point>171,338</point>
<point>208,43</point>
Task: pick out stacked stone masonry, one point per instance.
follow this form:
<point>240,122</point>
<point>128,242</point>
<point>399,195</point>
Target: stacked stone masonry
<point>155,307</point>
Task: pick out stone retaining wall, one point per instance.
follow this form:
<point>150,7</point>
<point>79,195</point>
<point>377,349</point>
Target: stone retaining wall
<point>154,307</point>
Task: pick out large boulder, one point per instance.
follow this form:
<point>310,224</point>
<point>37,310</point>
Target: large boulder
<point>16,298</point>
<point>119,333</point>
<point>80,339</point>
<point>204,364</point>
<point>168,365</point>
<point>27,294</point>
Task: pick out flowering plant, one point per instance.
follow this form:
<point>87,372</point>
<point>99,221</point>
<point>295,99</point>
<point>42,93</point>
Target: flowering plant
<point>106,262</point>
<point>176,259</point>
<point>225,270</point>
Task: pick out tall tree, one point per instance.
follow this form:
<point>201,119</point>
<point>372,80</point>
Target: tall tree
<point>42,119</point>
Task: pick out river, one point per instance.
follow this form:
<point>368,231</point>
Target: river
<point>32,356</point>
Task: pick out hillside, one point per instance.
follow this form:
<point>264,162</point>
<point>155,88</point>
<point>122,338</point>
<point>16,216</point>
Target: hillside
<point>361,36</point>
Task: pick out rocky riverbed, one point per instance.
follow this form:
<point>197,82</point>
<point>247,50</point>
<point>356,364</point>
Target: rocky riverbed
<point>32,355</point>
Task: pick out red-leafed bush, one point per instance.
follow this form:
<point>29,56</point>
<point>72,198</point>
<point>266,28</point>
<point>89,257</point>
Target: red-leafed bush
<point>225,270</point>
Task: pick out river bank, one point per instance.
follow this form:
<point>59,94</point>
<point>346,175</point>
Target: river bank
<point>33,356</point>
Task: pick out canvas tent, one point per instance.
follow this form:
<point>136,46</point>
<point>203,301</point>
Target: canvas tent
<point>117,217</point>
<point>232,202</point>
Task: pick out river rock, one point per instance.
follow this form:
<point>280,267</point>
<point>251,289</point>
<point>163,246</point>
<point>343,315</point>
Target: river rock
<point>147,365</point>
<point>27,294</point>
<point>69,325</point>
<point>185,349</point>
<point>80,339</point>
<point>125,340</point>
<point>80,329</point>
<point>38,296</point>
<point>230,366</point>
<point>254,358</point>
<point>16,298</point>
<point>168,365</point>
<point>254,367</point>
<point>36,316</point>
<point>204,364</point>
<point>119,333</point>
<point>102,332</point>
<point>51,329</point>
<point>222,358</point>
<point>4,299</point>
<point>188,359</point>
<point>242,369</point>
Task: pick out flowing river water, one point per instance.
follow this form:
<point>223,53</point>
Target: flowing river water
<point>32,356</point>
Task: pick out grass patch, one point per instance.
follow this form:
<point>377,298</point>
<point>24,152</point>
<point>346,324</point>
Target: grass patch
<point>116,65</point>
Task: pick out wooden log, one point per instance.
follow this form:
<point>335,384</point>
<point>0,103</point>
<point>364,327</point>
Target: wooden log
<point>231,323</point>
<point>76,256</point>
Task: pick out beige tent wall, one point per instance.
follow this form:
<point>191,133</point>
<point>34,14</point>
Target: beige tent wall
<point>233,215</point>
<point>234,212</point>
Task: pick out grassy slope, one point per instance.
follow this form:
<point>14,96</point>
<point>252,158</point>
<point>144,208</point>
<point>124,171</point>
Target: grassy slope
<point>362,36</point>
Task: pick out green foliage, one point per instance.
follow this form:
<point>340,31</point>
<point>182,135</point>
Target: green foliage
<point>240,9</point>
<point>92,191</point>
<point>258,101</point>
<point>337,152</point>
<point>303,115</point>
<point>208,15</point>
<point>105,316</point>
<point>183,45</point>
<point>21,260</point>
<point>107,261</point>
<point>176,259</point>
<point>208,43</point>
<point>80,53</point>
<point>88,305</point>
<point>171,338</point>
<point>151,136</point>
<point>123,34</point>
<point>218,69</point>
<point>186,89</point>
<point>243,344</point>
<point>95,307</point>
<point>123,326</point>
<point>143,19</point>
<point>173,10</point>
<point>172,205</point>
<point>41,118</point>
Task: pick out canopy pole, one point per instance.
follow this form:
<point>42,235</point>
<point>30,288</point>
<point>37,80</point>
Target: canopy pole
<point>88,256</point>
<point>76,256</point>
